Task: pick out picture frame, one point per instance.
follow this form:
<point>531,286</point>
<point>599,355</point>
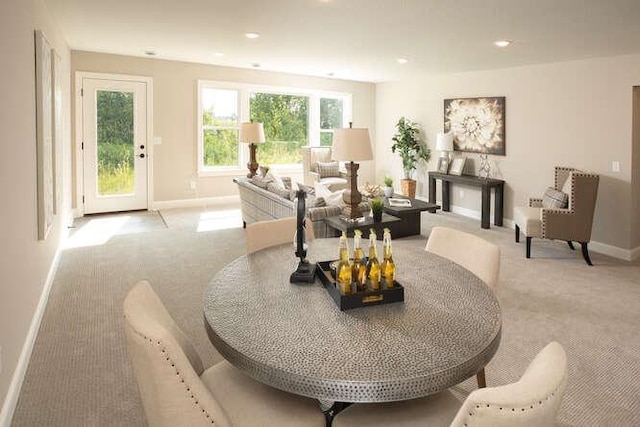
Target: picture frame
<point>457,166</point>
<point>477,124</point>
<point>443,165</point>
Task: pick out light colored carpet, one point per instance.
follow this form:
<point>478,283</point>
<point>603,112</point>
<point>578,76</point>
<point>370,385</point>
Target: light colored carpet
<point>79,373</point>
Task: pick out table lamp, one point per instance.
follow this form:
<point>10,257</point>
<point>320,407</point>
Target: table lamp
<point>252,133</point>
<point>444,143</point>
<point>351,144</point>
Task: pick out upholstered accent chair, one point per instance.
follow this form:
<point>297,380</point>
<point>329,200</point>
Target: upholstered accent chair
<point>264,234</point>
<point>531,401</point>
<point>547,218</point>
<point>177,391</point>
<point>480,257</point>
<point>318,166</point>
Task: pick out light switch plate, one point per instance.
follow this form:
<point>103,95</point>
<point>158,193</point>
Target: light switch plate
<point>615,166</point>
<point>157,140</point>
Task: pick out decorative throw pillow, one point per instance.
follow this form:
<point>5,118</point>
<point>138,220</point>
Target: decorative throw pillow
<point>330,198</point>
<point>328,169</point>
<point>282,192</point>
<point>554,199</point>
<point>307,188</point>
<point>276,178</point>
<point>260,181</point>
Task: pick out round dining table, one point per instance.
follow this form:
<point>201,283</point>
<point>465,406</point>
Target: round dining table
<point>295,338</point>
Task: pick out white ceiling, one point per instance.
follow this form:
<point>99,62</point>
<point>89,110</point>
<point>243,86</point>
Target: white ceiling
<point>354,39</point>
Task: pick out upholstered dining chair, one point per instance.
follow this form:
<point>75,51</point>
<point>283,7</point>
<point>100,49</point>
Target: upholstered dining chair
<point>531,401</point>
<point>565,212</point>
<point>263,234</point>
<point>480,257</point>
<point>177,391</point>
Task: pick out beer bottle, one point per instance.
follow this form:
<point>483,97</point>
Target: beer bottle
<point>388,266</point>
<point>344,267</point>
<point>359,270</point>
<point>373,265</point>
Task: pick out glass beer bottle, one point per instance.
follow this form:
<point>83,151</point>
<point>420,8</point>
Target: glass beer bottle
<point>388,266</point>
<point>359,269</point>
<point>343,271</point>
<point>373,265</point>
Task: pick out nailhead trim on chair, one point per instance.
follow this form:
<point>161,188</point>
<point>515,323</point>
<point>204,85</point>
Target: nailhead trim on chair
<point>522,409</point>
<point>168,359</point>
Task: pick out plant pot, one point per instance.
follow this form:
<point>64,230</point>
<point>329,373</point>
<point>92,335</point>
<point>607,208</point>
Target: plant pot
<point>388,192</point>
<point>409,187</point>
<point>377,216</point>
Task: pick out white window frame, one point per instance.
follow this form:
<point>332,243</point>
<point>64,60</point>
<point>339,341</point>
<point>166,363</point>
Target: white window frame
<point>244,93</point>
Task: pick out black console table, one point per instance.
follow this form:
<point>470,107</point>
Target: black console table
<point>485,184</point>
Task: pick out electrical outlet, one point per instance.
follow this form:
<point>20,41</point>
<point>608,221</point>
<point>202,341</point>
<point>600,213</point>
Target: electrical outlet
<point>615,166</point>
<point>192,183</point>
<point>461,194</point>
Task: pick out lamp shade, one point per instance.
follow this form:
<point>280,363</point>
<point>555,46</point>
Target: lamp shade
<point>252,133</point>
<point>351,144</point>
<point>444,141</point>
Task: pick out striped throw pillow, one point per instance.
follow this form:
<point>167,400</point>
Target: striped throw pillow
<point>555,199</point>
<point>328,169</point>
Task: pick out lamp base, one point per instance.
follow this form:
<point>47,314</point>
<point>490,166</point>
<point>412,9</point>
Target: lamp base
<point>253,164</point>
<point>352,196</point>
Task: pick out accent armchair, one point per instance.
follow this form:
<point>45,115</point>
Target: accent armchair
<point>318,166</point>
<point>549,218</point>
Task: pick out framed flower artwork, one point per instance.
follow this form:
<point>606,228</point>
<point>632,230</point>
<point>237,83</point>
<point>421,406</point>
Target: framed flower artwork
<point>477,124</point>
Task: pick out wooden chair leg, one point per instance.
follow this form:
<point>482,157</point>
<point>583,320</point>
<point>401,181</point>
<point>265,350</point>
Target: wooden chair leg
<point>570,243</point>
<point>528,247</point>
<point>482,381</point>
<point>517,234</point>
<point>585,253</point>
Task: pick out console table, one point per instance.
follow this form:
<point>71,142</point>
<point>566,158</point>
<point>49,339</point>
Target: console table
<point>486,184</point>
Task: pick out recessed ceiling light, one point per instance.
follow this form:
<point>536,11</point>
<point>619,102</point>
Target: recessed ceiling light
<point>402,60</point>
<point>150,52</point>
<point>252,35</point>
<point>218,54</point>
<point>502,43</point>
<point>330,74</point>
<point>255,65</point>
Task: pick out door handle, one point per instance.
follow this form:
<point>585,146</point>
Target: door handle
<point>142,146</point>
<point>141,155</point>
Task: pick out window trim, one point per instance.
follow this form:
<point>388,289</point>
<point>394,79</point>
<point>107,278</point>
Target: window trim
<point>244,94</point>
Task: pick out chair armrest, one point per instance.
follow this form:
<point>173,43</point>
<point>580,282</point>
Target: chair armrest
<point>315,177</point>
<point>564,224</point>
<point>535,202</point>
<point>343,174</point>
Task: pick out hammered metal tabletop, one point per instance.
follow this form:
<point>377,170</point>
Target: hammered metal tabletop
<point>295,338</point>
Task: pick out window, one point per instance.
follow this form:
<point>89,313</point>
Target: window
<point>292,118</point>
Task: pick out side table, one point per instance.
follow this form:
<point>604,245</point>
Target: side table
<point>410,215</point>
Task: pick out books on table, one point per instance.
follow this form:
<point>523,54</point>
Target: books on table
<point>399,203</point>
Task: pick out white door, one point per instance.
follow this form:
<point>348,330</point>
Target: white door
<point>114,145</point>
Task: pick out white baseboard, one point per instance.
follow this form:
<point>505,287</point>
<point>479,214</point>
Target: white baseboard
<point>11,399</point>
<point>602,248</point>
<point>195,203</point>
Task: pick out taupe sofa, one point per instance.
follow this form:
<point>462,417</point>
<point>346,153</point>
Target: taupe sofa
<point>259,204</point>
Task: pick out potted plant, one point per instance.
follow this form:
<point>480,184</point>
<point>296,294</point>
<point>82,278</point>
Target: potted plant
<point>376,208</point>
<point>407,143</point>
<point>388,186</point>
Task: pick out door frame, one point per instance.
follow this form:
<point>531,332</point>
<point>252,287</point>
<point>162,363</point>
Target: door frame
<point>78,151</point>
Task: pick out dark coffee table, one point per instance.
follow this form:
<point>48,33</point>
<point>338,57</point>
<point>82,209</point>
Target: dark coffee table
<point>388,221</point>
<point>410,216</point>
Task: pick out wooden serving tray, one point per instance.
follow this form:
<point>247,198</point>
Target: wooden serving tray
<point>384,295</point>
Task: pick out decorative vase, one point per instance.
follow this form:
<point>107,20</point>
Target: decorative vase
<point>409,187</point>
<point>388,192</point>
<point>377,216</point>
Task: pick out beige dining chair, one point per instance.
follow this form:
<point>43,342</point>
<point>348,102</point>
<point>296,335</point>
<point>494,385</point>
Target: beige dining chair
<point>263,234</point>
<point>480,257</point>
<point>177,391</point>
<point>531,401</point>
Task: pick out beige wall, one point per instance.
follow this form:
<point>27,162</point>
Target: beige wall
<point>574,113</point>
<point>24,261</point>
<point>635,175</point>
<point>175,108</point>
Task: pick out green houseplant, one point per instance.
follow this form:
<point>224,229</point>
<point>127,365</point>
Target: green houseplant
<point>376,208</point>
<point>388,186</point>
<point>407,143</point>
